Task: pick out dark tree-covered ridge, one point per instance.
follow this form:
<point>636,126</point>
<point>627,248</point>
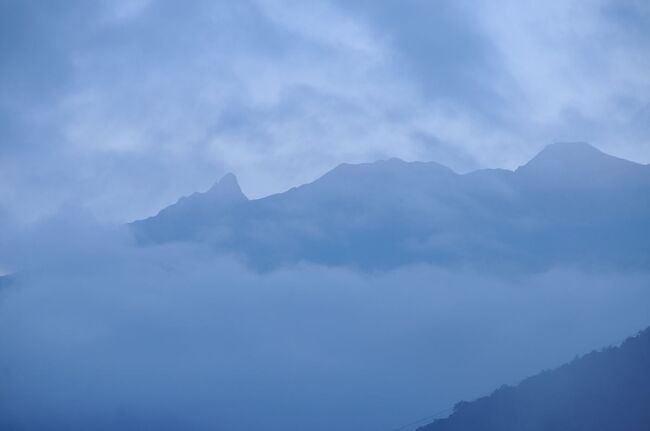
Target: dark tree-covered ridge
<point>604,390</point>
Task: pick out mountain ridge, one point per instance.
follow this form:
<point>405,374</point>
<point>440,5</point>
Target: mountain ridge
<point>201,207</point>
<point>579,164</point>
<point>390,213</point>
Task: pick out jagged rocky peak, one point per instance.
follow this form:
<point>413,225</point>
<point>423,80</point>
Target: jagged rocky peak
<point>227,188</point>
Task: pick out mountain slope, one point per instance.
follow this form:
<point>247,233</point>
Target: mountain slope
<point>572,204</point>
<point>188,218</point>
<point>576,164</point>
<point>606,390</point>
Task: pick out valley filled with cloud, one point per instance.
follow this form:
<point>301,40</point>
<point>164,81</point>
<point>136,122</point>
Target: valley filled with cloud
<point>327,215</point>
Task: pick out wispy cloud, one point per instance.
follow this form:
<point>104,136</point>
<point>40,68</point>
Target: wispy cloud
<point>123,106</point>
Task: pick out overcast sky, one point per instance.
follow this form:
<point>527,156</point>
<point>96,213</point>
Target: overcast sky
<point>119,107</point>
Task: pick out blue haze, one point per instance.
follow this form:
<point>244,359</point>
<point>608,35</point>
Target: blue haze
<point>122,106</point>
<point>572,205</point>
<point>100,330</point>
<point>404,237</point>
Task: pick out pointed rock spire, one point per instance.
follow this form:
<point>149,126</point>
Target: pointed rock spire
<point>227,189</point>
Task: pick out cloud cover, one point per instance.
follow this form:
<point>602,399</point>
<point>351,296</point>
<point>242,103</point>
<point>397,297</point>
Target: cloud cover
<point>97,333</point>
<point>115,108</point>
<point>120,107</point>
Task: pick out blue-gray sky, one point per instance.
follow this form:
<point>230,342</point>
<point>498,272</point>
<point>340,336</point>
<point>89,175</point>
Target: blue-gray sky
<point>121,106</point>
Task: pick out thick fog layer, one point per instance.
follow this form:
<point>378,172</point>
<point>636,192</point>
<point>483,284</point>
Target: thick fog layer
<point>395,248</point>
<point>96,333</point>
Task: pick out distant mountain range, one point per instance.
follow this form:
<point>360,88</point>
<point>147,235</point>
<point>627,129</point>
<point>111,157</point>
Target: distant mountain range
<point>602,391</point>
<point>570,205</point>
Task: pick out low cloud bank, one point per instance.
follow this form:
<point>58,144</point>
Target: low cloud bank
<point>96,333</point>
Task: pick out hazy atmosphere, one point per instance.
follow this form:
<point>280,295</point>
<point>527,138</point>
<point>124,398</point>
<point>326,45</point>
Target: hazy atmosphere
<point>122,106</point>
<point>323,216</point>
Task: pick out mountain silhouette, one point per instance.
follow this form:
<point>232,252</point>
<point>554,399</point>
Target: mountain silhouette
<point>571,205</point>
<point>191,215</point>
<point>579,164</point>
<point>602,391</point>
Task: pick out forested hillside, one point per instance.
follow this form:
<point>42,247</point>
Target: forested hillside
<point>606,390</point>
